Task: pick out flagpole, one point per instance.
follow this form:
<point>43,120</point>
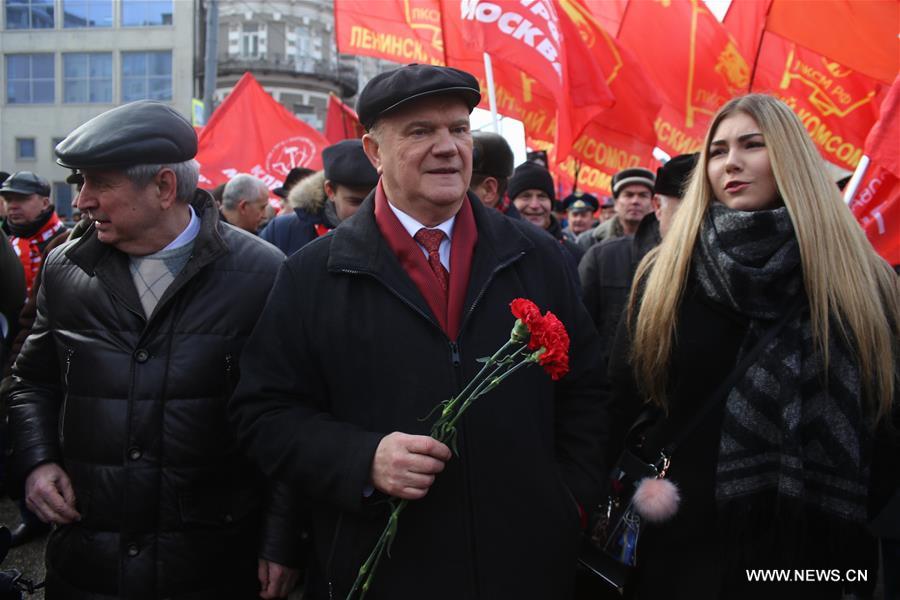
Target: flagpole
<point>858,174</point>
<point>492,95</point>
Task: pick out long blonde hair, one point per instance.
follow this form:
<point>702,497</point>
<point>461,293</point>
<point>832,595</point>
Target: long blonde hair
<point>843,276</point>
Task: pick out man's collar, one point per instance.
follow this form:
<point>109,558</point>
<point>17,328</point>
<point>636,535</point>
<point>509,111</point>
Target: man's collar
<point>188,234</point>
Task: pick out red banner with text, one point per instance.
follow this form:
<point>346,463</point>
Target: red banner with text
<point>403,31</point>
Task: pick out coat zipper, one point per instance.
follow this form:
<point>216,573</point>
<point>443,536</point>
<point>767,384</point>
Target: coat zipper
<point>65,403</point>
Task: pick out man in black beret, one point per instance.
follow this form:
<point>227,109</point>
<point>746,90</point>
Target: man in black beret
<point>608,268</point>
<point>492,166</point>
<point>117,410</point>
<point>294,176</point>
<point>580,208</point>
<point>607,209</point>
<point>324,200</point>
<point>418,284</point>
<point>632,192</point>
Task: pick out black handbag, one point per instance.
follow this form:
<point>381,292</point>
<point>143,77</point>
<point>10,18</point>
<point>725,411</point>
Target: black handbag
<point>609,551</point>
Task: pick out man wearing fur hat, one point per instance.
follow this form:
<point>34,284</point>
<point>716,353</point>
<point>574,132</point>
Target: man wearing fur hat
<point>632,191</point>
<point>323,200</point>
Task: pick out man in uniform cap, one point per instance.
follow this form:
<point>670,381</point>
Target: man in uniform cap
<point>607,209</point>
<point>418,285</point>
<point>632,192</point>
<point>117,411</point>
<point>31,220</point>
<point>492,166</point>
<point>324,200</point>
<point>580,208</point>
<point>608,268</point>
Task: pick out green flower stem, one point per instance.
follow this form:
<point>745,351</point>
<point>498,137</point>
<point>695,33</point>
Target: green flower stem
<point>491,361</point>
<point>487,385</point>
<point>367,572</point>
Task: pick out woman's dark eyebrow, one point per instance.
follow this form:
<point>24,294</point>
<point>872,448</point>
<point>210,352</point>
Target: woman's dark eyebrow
<point>741,138</point>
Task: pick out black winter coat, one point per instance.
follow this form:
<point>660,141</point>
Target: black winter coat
<point>134,411</point>
<point>606,272</point>
<point>501,521</point>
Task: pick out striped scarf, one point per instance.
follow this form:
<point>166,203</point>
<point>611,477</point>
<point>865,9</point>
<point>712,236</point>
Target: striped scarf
<point>790,426</point>
<point>29,246</point>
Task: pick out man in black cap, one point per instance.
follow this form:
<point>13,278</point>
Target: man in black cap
<point>31,221</point>
<point>492,166</point>
<point>632,192</point>
<point>532,192</point>
<point>418,285</point>
<point>244,202</point>
<point>607,209</point>
<point>324,200</point>
<point>580,208</point>
<point>117,410</point>
<point>294,176</point>
<point>608,268</point>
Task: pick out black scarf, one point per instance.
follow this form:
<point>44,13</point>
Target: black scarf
<point>790,427</point>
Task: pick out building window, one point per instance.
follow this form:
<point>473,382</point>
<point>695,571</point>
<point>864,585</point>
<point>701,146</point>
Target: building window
<point>29,79</point>
<point>87,13</point>
<point>146,13</point>
<point>87,77</point>
<point>146,75</point>
<point>250,40</point>
<point>29,14</point>
<point>26,148</point>
<point>62,199</point>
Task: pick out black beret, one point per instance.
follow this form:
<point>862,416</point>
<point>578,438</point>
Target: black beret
<point>491,155</point>
<point>346,163</point>
<point>530,176</point>
<point>672,177</point>
<point>25,182</point>
<point>630,176</point>
<point>145,132</point>
<point>581,202</point>
<point>391,89</point>
<point>76,177</point>
<point>294,176</point>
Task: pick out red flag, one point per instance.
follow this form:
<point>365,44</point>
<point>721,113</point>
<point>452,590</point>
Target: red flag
<point>860,35</point>
<point>538,39</point>
<point>836,105</point>
<point>404,31</point>
<point>745,22</point>
<point>341,122</point>
<point>692,60</point>
<point>883,143</point>
<point>252,133</point>
<point>877,200</point>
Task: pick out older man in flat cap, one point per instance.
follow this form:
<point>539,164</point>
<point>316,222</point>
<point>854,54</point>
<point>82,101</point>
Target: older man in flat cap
<point>418,284</point>
<point>323,200</point>
<point>118,408</point>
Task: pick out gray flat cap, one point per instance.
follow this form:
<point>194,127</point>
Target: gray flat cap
<point>145,132</point>
<point>25,182</point>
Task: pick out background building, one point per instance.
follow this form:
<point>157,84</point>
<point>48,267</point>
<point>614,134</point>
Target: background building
<point>289,46</point>
<point>65,61</point>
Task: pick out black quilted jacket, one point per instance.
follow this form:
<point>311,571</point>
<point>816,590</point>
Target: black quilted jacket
<point>134,411</point>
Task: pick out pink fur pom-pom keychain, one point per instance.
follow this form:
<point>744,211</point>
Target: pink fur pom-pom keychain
<point>656,500</point>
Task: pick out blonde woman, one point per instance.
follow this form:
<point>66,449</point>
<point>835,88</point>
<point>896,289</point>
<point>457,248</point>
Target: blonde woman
<point>784,471</point>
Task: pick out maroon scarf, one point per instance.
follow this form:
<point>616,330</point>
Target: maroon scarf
<point>413,261</point>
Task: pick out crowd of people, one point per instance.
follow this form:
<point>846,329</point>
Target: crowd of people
<point>205,400</point>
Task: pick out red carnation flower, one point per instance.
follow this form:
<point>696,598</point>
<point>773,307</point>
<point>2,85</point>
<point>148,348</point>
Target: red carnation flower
<point>552,336</point>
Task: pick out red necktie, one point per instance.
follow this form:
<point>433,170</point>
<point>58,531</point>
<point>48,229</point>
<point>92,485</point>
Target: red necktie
<point>431,240</point>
